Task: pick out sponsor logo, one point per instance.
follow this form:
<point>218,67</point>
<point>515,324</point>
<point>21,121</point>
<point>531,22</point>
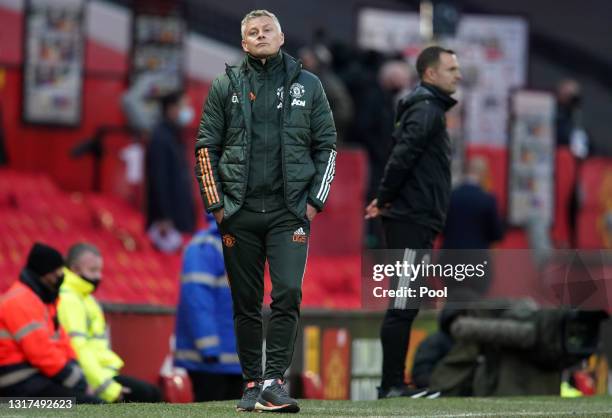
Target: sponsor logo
<point>234,98</point>
<point>296,102</point>
<point>300,236</point>
<point>229,240</point>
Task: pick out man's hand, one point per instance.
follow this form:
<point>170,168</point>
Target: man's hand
<point>218,214</point>
<point>311,212</point>
<point>373,211</point>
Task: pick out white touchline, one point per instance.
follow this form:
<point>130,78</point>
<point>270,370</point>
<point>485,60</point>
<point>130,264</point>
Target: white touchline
<point>513,414</point>
<point>483,414</point>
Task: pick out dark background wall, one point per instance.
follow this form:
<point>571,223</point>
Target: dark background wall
<point>568,38</point>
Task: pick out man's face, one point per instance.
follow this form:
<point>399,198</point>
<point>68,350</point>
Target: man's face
<point>446,74</point>
<point>567,91</point>
<point>54,279</point>
<point>261,37</point>
<point>174,110</point>
<point>89,266</point>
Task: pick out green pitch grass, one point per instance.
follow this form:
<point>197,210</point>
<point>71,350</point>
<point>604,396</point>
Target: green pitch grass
<point>600,406</point>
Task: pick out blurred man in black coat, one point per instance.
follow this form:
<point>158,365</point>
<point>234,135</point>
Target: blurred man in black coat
<point>170,204</point>
<point>414,193</point>
<point>473,221</point>
<point>473,224</point>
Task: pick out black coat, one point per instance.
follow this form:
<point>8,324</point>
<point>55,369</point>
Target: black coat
<point>169,181</point>
<point>473,221</point>
<point>417,179</point>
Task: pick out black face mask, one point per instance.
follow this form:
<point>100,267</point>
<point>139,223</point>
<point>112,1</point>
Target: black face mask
<point>48,293</point>
<point>55,288</point>
<point>575,101</point>
<point>94,281</point>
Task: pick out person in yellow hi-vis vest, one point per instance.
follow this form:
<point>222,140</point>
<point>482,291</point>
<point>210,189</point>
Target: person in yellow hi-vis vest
<point>82,318</point>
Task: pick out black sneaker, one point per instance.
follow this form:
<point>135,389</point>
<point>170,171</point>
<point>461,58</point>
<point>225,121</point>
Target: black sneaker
<point>249,397</point>
<point>401,391</point>
<point>276,399</point>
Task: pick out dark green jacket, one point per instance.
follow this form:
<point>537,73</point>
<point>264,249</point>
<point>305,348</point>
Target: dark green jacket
<point>308,141</point>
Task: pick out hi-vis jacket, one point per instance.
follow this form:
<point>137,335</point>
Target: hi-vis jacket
<point>83,320</point>
<point>31,341</point>
<point>308,140</point>
<point>204,317</point>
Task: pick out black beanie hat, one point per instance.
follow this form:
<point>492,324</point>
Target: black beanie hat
<point>44,259</point>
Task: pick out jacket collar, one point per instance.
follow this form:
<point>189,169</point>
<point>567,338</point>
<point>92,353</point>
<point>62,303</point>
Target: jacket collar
<point>32,280</point>
<point>292,67</point>
<point>272,64</point>
<point>446,100</point>
<point>76,283</point>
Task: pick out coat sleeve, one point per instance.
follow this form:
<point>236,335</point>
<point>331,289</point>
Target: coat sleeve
<point>72,316</point>
<point>202,271</point>
<point>323,149</point>
<point>415,130</point>
<point>208,148</point>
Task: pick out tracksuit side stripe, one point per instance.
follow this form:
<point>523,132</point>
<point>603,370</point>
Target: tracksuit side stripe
<point>331,177</point>
<point>204,181</point>
<point>326,176</point>
<point>210,174</point>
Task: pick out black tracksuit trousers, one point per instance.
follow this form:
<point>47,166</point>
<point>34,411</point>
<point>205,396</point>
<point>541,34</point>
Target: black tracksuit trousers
<point>249,239</point>
<point>396,326</point>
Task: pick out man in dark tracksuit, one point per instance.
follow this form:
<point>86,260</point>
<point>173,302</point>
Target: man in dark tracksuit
<point>266,160</point>
<point>414,193</point>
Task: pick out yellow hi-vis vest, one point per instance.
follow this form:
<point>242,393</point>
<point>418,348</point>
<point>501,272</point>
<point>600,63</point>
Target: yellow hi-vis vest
<point>82,318</point>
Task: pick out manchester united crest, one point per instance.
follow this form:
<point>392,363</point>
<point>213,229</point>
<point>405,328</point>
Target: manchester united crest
<point>229,240</point>
<point>297,90</point>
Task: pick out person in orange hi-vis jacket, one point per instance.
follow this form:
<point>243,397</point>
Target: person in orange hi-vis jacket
<point>36,359</point>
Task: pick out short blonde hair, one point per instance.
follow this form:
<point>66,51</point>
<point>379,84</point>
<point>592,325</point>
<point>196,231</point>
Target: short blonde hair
<point>258,13</point>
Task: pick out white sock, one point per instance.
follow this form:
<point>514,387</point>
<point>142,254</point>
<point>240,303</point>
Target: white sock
<point>267,383</point>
